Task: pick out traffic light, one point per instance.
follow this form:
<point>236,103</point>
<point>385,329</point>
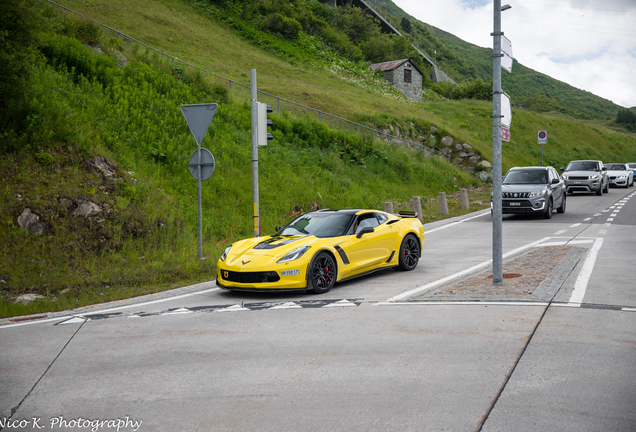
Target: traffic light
<point>263,123</point>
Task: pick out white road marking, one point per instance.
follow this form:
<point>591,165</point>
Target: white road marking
<point>580,286</point>
<point>112,309</point>
<point>587,219</point>
<point>610,219</point>
<point>341,303</point>
<point>456,223</point>
<point>575,225</point>
<point>629,309</point>
<point>462,273</point>
<point>233,308</point>
<point>288,305</point>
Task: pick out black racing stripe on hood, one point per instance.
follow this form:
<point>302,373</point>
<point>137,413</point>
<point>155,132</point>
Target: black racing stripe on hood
<point>270,243</point>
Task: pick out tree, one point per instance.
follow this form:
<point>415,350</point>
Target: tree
<point>406,25</point>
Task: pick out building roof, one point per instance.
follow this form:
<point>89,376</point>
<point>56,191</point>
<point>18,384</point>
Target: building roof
<point>387,66</point>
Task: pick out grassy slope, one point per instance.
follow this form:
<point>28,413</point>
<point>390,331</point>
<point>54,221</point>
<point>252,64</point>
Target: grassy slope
<point>521,84</point>
<point>213,47</point>
<point>160,258</point>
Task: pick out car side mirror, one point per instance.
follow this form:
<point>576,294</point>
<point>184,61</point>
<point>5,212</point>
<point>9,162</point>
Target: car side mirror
<point>365,230</point>
<point>562,169</point>
<point>604,169</point>
<point>556,181</point>
<point>278,228</point>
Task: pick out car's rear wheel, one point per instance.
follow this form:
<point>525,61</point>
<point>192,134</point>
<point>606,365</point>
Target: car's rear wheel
<point>409,253</point>
<point>322,273</point>
<point>561,208</point>
<point>548,210</point>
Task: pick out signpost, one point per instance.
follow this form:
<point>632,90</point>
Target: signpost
<point>199,117</point>
<point>498,117</point>
<point>542,138</point>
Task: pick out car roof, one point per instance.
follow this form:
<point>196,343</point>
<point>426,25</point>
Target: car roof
<point>535,168</point>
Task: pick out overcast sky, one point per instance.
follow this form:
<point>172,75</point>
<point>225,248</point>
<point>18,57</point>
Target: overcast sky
<point>589,44</point>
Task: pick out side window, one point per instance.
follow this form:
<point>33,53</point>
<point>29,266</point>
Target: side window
<point>363,221</point>
<point>381,217</point>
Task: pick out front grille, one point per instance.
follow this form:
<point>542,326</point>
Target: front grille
<point>515,194</point>
<point>250,277</point>
<point>578,178</point>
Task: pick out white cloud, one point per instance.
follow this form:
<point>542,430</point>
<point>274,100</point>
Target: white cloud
<point>589,44</point>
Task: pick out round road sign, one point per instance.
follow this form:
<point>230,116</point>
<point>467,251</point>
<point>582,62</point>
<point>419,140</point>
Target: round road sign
<point>207,164</point>
<point>542,137</point>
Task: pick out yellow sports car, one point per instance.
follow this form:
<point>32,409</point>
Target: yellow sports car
<point>320,248</point>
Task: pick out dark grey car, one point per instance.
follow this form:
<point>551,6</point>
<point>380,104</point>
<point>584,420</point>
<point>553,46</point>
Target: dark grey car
<point>533,190</point>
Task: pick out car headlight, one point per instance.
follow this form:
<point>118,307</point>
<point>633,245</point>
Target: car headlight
<point>225,252</point>
<point>538,193</point>
<point>594,177</point>
<point>622,177</point>
<point>294,255</point>
<point>565,177</point>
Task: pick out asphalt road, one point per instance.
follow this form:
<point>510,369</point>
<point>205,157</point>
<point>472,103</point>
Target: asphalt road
<point>363,357</point>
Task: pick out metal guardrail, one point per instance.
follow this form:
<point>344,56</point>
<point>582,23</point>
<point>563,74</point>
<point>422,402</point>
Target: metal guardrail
<point>331,120</point>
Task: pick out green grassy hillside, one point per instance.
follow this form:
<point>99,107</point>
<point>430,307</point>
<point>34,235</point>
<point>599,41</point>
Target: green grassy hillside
<point>528,88</point>
<point>98,121</point>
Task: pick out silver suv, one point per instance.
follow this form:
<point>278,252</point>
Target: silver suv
<point>586,176</point>
<point>532,190</point>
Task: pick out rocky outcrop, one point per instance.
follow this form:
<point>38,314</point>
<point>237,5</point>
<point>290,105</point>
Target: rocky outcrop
<point>86,208</point>
<point>31,222</point>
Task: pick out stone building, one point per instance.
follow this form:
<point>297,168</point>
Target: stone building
<point>403,75</point>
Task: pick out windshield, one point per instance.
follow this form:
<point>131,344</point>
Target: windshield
<point>526,177</point>
<point>616,167</point>
<point>318,224</point>
<point>582,166</point>
<point>631,165</point>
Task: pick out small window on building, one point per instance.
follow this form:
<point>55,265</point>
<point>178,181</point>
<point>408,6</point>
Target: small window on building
<point>407,75</point>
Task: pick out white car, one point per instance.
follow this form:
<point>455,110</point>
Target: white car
<point>620,175</point>
<point>632,166</point>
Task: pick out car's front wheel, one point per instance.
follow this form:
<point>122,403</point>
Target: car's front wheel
<point>322,273</point>
<point>409,253</point>
<point>606,190</point>
<point>548,210</point>
<point>561,208</point>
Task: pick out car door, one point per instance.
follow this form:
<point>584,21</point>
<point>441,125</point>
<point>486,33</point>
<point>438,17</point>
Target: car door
<point>371,249</point>
<point>557,188</point>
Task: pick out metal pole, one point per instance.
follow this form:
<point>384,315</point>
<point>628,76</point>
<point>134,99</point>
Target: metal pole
<point>257,222</point>
<point>200,210</point>
<point>497,243</point>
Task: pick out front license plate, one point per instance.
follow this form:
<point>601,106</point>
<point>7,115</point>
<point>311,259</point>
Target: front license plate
<point>515,204</point>
<point>577,182</point>
<point>290,272</point>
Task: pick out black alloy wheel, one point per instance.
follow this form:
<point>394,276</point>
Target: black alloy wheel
<point>322,273</point>
<point>409,253</point>
<point>548,210</point>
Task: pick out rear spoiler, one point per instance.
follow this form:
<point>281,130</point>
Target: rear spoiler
<point>407,214</point>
